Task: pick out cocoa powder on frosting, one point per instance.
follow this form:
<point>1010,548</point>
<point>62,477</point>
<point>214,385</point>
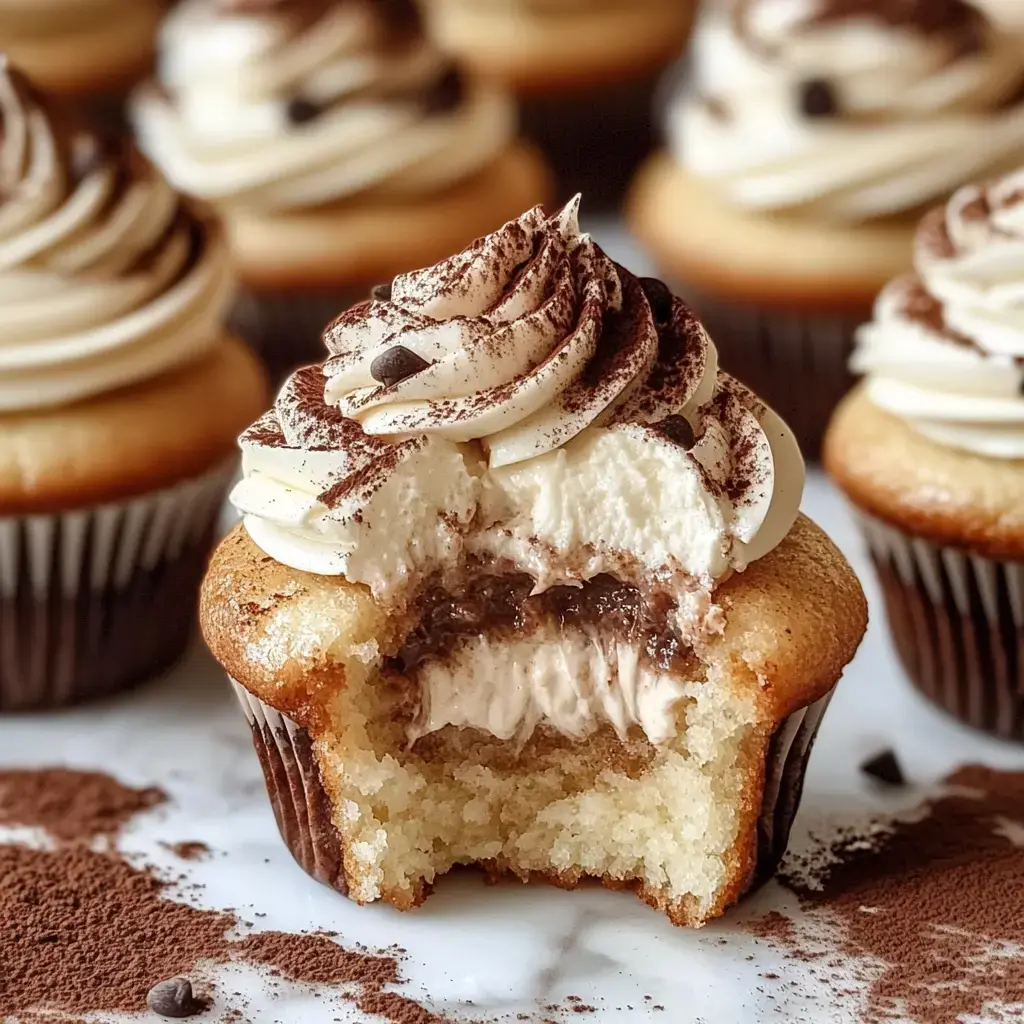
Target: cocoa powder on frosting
<point>937,903</point>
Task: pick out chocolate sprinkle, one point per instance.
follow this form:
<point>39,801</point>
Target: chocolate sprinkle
<point>395,365</point>
<point>818,98</point>
<point>381,292</point>
<point>884,768</point>
<point>659,297</point>
<point>174,998</point>
<point>678,430</point>
<point>445,94</point>
<point>302,110</point>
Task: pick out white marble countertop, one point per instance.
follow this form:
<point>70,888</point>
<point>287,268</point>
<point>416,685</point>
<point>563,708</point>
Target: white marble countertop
<point>480,951</point>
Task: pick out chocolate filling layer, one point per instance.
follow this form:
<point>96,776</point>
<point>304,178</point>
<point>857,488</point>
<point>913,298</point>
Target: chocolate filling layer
<point>616,610</point>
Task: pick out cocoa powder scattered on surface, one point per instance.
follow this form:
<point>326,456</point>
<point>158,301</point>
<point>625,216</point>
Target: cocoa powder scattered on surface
<point>189,850</point>
<point>71,806</point>
<point>938,903</point>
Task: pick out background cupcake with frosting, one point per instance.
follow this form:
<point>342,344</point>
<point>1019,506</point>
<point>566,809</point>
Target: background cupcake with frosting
<point>338,145</point>
<point>930,450</point>
<point>120,398</point>
<point>584,73</point>
<point>802,150</point>
<point>90,52</point>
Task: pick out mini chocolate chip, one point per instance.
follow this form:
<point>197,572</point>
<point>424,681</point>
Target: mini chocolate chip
<point>659,296</point>
<point>381,292</point>
<point>818,98</point>
<point>173,998</point>
<point>395,365</point>
<point>445,94</point>
<point>678,430</point>
<point>301,110</point>
<point>885,768</point>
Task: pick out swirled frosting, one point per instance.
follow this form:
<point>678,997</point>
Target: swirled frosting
<point>850,109</point>
<point>106,278</point>
<point>300,103</point>
<point>528,402</point>
<point>945,350</point>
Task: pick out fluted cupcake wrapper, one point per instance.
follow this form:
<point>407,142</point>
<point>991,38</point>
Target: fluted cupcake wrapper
<point>302,807</point>
<point>285,327</point>
<point>95,599</point>
<point>795,360</point>
<point>957,621</point>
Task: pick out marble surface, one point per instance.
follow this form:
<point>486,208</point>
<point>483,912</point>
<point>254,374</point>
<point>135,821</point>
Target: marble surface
<point>478,951</point>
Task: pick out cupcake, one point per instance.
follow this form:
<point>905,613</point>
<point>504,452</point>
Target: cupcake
<point>930,450</point>
<point>120,398</point>
<point>585,75</point>
<point>90,52</point>
<point>521,583</point>
<point>802,153</point>
<point>339,147</point>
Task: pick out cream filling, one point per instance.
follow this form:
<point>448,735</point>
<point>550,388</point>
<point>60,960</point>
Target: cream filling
<point>569,681</point>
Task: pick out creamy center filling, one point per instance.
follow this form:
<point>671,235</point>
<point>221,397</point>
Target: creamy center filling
<point>496,657</point>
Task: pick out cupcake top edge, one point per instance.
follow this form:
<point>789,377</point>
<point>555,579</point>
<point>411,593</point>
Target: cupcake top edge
<point>848,110</point>
<point>296,104</point>
<point>107,277</point>
<point>945,349</point>
<point>528,405</point>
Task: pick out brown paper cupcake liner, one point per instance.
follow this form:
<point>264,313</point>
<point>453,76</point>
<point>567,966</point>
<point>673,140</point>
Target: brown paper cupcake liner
<point>795,360</point>
<point>302,807</point>
<point>96,599</point>
<point>957,621</point>
<point>595,137</point>
<point>285,328</point>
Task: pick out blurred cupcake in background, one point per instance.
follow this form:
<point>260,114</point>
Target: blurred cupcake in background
<point>120,399</point>
<point>339,146</point>
<point>930,449</point>
<point>801,154</point>
<point>90,52</point>
<point>585,72</point>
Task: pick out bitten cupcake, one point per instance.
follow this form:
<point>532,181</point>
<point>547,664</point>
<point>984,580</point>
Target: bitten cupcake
<point>802,153</point>
<point>339,146</point>
<point>584,73</point>
<point>120,398</point>
<point>91,52</point>
<point>522,583</point>
<point>930,449</point>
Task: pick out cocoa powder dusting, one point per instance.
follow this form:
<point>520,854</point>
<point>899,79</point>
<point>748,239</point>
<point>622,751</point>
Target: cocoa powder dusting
<point>71,806</point>
<point>84,931</point>
<point>938,903</point>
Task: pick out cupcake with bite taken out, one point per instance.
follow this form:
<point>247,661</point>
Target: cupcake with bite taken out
<point>338,145</point>
<point>930,450</point>
<point>521,582</point>
<point>120,398</point>
<point>802,151</point>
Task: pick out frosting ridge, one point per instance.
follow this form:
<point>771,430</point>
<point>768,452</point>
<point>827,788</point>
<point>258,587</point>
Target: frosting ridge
<point>945,350</point>
<point>106,277</point>
<point>850,109</point>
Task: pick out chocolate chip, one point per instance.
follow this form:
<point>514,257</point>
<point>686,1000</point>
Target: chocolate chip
<point>818,98</point>
<point>381,292</point>
<point>302,110</point>
<point>173,998</point>
<point>678,430</point>
<point>402,14</point>
<point>885,768</point>
<point>659,297</point>
<point>445,94</point>
<point>395,365</point>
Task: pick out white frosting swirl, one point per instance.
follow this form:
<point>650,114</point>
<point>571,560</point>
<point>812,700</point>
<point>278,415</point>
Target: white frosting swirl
<point>297,106</point>
<point>946,348</point>
<point>614,442</point>
<point>105,279</point>
<point>848,110</point>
